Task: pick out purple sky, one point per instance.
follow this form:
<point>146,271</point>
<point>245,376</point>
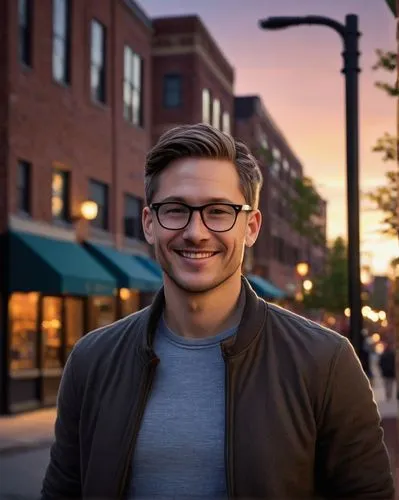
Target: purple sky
<point>297,73</point>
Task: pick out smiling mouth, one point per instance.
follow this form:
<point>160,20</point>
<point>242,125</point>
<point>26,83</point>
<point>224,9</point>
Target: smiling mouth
<point>195,255</point>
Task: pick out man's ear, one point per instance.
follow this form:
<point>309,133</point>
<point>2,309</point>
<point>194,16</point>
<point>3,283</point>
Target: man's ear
<point>254,224</point>
<point>148,225</point>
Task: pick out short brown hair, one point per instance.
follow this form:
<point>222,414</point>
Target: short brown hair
<point>203,141</point>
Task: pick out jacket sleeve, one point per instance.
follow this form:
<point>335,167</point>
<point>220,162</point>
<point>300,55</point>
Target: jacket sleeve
<point>351,458</point>
<point>62,477</point>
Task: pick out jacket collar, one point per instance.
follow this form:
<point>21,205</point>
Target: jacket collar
<point>252,322</point>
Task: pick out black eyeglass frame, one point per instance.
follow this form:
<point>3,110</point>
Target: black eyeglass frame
<point>237,208</point>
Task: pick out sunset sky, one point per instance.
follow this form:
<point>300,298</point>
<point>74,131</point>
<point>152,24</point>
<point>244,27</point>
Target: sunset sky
<point>297,72</point>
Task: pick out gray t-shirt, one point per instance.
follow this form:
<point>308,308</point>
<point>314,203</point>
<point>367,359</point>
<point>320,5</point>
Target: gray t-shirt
<point>180,447</point>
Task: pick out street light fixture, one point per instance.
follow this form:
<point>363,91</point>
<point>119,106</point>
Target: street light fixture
<point>350,35</point>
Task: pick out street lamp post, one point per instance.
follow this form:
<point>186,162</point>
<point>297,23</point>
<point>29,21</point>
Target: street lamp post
<point>350,35</point>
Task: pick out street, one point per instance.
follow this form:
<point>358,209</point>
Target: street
<point>21,474</point>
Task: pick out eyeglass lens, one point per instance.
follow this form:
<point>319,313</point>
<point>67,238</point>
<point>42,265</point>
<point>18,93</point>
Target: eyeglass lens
<point>215,217</point>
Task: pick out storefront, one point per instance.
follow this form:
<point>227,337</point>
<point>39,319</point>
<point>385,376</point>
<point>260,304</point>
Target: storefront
<point>56,292</point>
<point>138,277</point>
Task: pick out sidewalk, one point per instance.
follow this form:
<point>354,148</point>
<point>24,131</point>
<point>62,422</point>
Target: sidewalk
<point>27,431</point>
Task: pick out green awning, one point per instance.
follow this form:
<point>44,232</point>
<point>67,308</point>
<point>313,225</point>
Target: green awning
<point>151,264</point>
<point>128,271</point>
<point>52,266</point>
<point>264,288</point>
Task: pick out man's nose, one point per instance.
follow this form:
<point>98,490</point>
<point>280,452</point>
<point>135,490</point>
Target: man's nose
<point>196,229</point>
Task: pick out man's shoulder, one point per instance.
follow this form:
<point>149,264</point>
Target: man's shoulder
<point>102,339</point>
<point>300,330</point>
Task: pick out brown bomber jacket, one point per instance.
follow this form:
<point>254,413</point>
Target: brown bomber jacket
<point>301,422</point>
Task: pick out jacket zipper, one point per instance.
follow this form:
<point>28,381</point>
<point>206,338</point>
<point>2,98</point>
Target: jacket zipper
<point>228,449</point>
<point>143,400</point>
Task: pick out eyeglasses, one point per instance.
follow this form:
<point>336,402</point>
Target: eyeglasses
<point>217,217</point>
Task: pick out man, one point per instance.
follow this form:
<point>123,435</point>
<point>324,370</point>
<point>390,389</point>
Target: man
<point>387,367</point>
<point>211,392</point>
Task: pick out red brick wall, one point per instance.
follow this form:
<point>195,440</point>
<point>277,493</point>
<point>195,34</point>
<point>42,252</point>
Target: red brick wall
<point>53,123</point>
<point>3,114</point>
<point>197,73</point>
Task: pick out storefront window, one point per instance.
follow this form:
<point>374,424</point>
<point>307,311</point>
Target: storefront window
<point>74,322</point>
<point>102,311</point>
<point>129,300</point>
<point>52,332</point>
<point>23,331</point>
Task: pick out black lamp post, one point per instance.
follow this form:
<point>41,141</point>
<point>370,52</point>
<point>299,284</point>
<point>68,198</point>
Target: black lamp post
<point>350,35</point>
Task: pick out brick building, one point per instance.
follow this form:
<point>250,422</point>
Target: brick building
<point>75,122</point>
<point>278,248</point>
<point>192,80</point>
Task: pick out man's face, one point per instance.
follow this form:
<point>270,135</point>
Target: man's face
<point>196,259</point>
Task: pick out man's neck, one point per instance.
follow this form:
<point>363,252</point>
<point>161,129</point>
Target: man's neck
<point>204,315</point>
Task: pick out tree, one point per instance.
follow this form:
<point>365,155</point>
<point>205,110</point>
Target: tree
<point>330,290</point>
<point>385,198</point>
<point>304,206</point>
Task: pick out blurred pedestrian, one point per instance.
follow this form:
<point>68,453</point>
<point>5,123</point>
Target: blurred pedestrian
<point>211,392</point>
<point>387,368</point>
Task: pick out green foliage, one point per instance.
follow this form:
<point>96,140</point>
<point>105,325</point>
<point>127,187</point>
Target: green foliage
<point>388,146</point>
<point>330,290</point>
<point>392,5</point>
<point>387,61</point>
<point>304,206</point>
<point>385,198</point>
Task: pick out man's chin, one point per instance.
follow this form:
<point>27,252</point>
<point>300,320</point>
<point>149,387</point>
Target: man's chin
<point>197,284</point>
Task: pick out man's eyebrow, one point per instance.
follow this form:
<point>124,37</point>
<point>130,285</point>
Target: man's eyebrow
<point>208,200</point>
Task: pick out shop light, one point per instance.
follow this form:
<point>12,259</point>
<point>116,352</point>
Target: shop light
<point>373,316</point>
<point>376,337</point>
<point>89,210</point>
<point>382,315</point>
<point>347,312</point>
<point>307,285</point>
<point>302,268</point>
<point>124,294</point>
<point>366,310</point>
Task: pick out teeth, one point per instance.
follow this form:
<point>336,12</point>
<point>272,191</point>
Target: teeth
<point>196,255</point>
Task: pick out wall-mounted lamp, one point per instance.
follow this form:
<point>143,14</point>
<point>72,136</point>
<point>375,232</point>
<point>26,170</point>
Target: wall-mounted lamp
<point>302,268</point>
<point>88,210</point>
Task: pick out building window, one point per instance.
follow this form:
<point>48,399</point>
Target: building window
<point>129,302</point>
<point>132,217</point>
<point>23,323</point>
<point>172,91</point>
<point>206,106</point>
<point>99,194</point>
<point>25,31</point>
<point>226,123</point>
<point>97,61</point>
<point>60,195</point>
<point>276,161</point>
<point>101,312</point>
<point>51,327</point>
<point>61,40</point>
<point>133,87</point>
<point>216,113</point>
<point>24,187</point>
<point>74,322</point>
